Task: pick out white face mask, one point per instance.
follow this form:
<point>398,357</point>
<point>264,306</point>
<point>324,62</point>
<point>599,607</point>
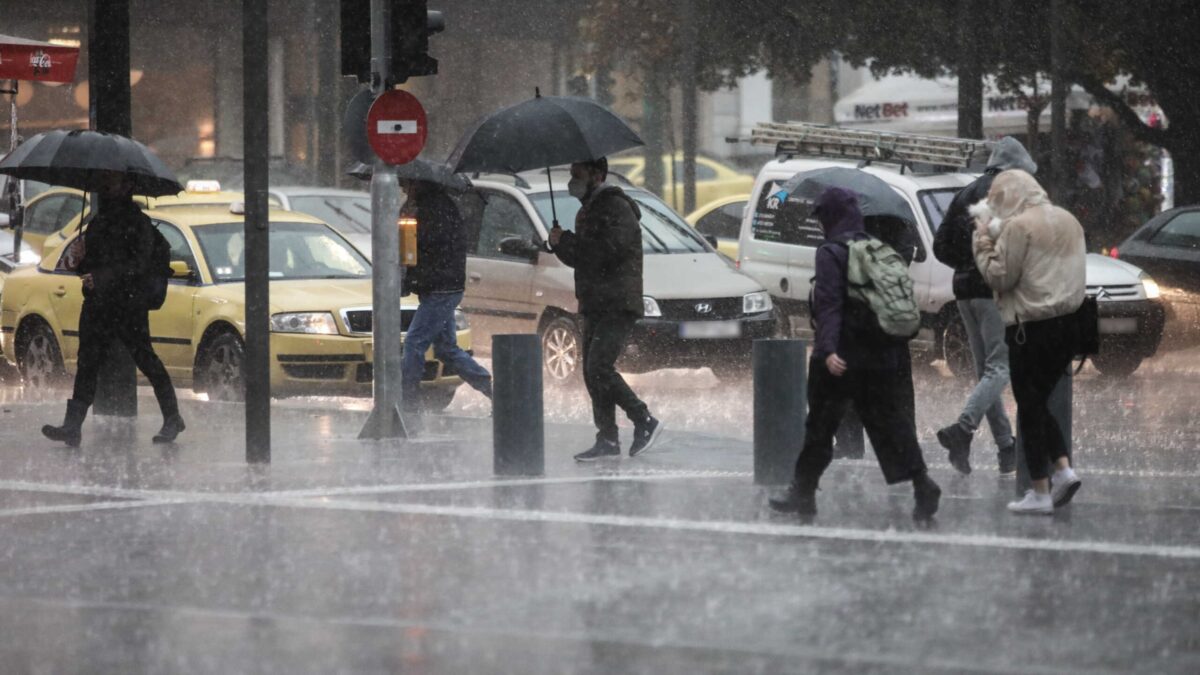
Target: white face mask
<point>577,187</point>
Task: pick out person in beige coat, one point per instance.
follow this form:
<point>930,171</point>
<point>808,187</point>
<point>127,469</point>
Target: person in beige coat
<point>1032,254</point>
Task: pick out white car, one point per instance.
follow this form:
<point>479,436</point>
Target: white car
<point>781,255</point>
<point>348,211</point>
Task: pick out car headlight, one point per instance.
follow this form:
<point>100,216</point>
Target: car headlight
<point>650,306</point>
<point>1150,286</point>
<point>316,323</point>
<point>756,303</point>
<point>460,320</point>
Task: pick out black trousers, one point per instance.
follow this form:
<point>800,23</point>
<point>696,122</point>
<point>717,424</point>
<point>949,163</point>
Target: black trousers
<point>1038,355</point>
<point>883,399</point>
<point>604,337</point>
<point>99,324</point>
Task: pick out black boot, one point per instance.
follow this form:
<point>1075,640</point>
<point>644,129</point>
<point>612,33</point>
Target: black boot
<point>927,494</point>
<point>71,430</point>
<point>800,498</point>
<point>172,425</point>
<point>958,441</point>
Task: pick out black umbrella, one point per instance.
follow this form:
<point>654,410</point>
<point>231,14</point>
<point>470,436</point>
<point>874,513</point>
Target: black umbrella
<point>418,169</point>
<point>875,197</point>
<point>542,132</point>
<point>85,159</point>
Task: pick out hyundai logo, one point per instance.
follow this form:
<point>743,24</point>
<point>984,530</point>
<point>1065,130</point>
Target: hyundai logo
<point>704,308</point>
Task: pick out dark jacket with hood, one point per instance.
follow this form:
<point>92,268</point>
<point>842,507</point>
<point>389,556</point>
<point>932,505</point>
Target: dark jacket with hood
<point>606,251</point>
<point>118,246</point>
<point>441,246</point>
<point>842,222</point>
<point>952,243</point>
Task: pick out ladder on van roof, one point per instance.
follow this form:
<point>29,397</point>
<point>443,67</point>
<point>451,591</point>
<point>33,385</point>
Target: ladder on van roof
<point>820,140</point>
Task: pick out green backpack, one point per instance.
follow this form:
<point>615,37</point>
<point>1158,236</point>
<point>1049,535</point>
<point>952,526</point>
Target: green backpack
<point>878,277</point>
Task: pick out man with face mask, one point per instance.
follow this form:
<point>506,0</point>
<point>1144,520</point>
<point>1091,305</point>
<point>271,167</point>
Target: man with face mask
<point>606,251</point>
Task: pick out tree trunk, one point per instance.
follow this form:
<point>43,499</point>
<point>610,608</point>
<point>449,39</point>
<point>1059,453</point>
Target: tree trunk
<point>1185,153</point>
<point>970,73</point>
<point>687,10</point>
<point>653,123</point>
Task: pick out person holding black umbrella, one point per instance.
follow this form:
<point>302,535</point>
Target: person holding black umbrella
<point>439,280</point>
<point>606,251</point>
<point>115,270</point>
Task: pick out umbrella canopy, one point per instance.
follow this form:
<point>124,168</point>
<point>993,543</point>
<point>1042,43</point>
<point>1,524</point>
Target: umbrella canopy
<point>542,132</point>
<point>84,159</point>
<point>418,169</point>
<point>875,197</point>
<point>22,59</point>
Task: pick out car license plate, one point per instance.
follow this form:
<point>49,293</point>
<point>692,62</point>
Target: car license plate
<point>1121,326</point>
<point>708,330</point>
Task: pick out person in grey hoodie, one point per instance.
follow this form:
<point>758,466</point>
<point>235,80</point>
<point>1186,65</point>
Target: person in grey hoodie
<point>980,317</point>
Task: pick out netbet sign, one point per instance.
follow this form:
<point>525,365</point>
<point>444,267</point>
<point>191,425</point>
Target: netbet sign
<point>879,111</point>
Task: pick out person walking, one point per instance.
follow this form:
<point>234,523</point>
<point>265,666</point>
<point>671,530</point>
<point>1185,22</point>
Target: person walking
<point>852,363</point>
<point>118,248</point>
<point>439,280</point>
<point>1032,254</point>
<point>980,316</point>
<point>606,252</point>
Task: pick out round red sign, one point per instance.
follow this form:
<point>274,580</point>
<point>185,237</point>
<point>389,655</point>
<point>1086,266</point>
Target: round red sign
<point>396,127</point>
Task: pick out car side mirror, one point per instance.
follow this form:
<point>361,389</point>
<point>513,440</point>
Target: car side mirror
<point>711,239</point>
<point>181,270</point>
<point>519,248</point>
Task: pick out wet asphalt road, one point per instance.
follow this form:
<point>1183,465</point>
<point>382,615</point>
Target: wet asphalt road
<point>343,556</point>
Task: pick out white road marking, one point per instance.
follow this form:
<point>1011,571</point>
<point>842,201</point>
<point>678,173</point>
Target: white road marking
<point>515,482</point>
<point>78,508</point>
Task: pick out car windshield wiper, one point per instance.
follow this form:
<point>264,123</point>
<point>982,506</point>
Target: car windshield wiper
<point>337,210</point>
<point>663,248</point>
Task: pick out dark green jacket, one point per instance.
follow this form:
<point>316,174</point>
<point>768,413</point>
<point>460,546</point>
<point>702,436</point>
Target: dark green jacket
<point>606,251</point>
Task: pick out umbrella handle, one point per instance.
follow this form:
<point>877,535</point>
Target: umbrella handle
<point>553,209</point>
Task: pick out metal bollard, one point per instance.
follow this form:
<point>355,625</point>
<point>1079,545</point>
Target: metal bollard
<point>1061,401</point>
<point>518,427</point>
<point>780,398</point>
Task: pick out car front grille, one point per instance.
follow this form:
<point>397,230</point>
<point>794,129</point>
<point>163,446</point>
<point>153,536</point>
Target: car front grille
<point>366,372</point>
<point>360,321</point>
<point>1126,292</point>
<point>702,309</point>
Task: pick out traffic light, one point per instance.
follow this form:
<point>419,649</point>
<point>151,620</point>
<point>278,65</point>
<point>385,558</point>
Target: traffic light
<point>412,24</point>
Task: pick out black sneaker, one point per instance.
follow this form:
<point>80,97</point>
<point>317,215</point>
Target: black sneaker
<point>926,495</point>
<point>1007,460</point>
<point>798,499</point>
<point>645,435</point>
<point>603,448</point>
<point>956,439</point>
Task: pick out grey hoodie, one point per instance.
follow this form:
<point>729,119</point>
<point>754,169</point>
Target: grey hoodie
<point>952,242</point>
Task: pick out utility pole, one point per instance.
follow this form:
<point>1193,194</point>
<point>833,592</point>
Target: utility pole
<point>110,111</point>
<point>387,275</point>
<point>256,130</point>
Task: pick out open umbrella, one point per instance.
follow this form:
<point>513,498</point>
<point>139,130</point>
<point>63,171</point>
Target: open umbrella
<point>84,159</point>
<point>875,197</point>
<point>542,132</point>
<point>418,169</point>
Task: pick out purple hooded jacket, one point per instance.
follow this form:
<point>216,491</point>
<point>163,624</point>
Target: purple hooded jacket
<point>842,222</point>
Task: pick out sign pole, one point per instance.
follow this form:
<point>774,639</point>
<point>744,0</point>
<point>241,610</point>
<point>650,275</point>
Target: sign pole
<point>387,275</point>
<point>256,124</point>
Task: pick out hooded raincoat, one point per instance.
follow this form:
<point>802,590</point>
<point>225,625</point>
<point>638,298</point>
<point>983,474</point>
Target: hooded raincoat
<point>842,222</point>
<point>952,244</point>
<point>1036,266</point>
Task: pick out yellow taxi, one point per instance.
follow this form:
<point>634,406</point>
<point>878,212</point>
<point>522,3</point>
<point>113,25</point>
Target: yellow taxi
<point>714,180</point>
<point>54,215</point>
<point>721,220</point>
<point>321,342</point>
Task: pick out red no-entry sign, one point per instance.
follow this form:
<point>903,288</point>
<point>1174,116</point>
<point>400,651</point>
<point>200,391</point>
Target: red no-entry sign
<point>396,127</point>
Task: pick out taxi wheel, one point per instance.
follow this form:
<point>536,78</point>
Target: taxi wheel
<point>956,349</point>
<point>39,358</point>
<point>562,351</point>
<point>437,399</point>
<point>222,368</point>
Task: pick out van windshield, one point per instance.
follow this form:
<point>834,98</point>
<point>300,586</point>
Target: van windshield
<point>935,203</point>
<point>663,231</point>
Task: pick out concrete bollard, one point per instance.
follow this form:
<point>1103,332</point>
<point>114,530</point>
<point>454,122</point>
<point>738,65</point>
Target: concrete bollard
<point>780,399</point>
<point>518,426</point>
<point>1061,401</point>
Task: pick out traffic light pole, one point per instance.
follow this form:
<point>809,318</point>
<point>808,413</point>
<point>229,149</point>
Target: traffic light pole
<point>387,275</point>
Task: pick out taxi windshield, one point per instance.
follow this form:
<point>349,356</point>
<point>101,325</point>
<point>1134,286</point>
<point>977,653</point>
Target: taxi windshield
<point>298,251</point>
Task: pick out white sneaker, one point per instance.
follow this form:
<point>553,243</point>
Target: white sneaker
<point>1063,486</point>
<point>1033,504</point>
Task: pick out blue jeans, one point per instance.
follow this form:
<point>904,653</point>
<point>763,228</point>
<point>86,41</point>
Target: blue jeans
<point>434,325</point>
<point>985,332</point>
